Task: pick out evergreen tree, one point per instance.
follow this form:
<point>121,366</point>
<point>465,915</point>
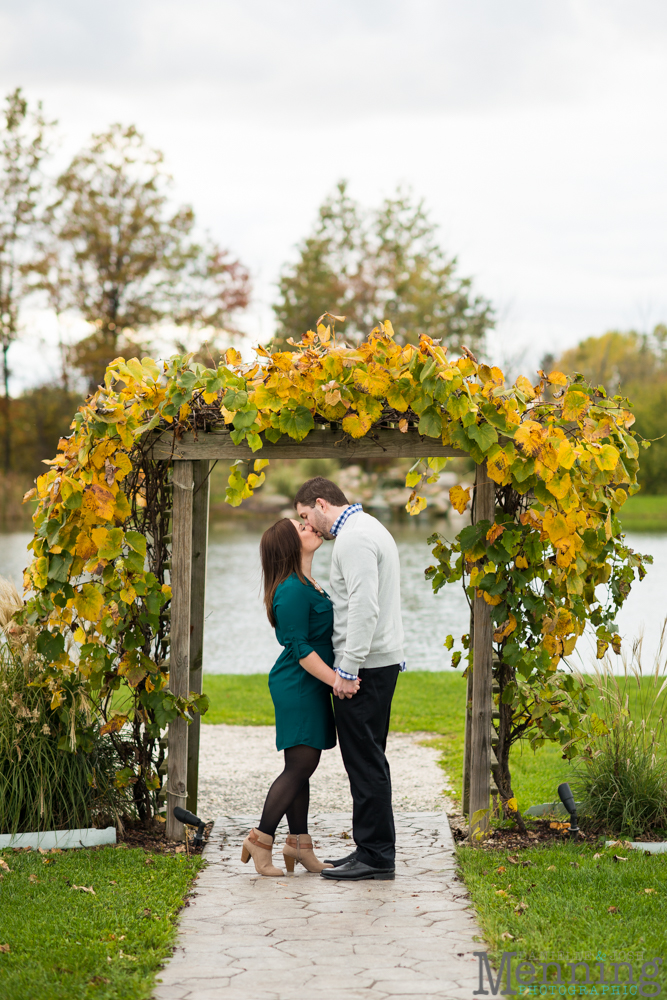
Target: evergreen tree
<point>375,265</point>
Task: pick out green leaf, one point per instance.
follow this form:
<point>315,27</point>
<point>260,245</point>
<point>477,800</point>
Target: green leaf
<point>244,419</point>
<point>484,434</point>
<point>50,645</point>
<point>136,541</point>
<point>59,567</point>
<point>430,422</point>
<point>458,405</point>
<point>297,423</point>
<point>235,399</point>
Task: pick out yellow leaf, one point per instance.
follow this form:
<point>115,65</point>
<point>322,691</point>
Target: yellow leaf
<point>57,700</point>
<point>569,644</point>
<point>209,397</point>
<point>505,629</point>
<point>524,386</point>
<point>560,486</point>
<point>491,599</point>
<point>529,435</point>
<point>128,594</point>
<point>403,426</point>
<point>40,570</point>
<point>557,378</point>
<point>415,505</point>
<point>233,357</point>
<point>375,380</point>
<point>566,455</point>
<point>512,804</point>
<point>521,562</point>
<point>283,360</point>
<point>396,399</point>
<point>494,532</point>
<point>356,424</point>
<point>89,602</point>
<point>575,404</point>
<point>459,498</point>
<point>498,468</point>
<point>108,542</point>
<point>607,458</point>
<point>101,501</point>
<point>114,725</point>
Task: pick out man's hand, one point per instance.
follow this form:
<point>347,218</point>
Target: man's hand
<point>345,689</point>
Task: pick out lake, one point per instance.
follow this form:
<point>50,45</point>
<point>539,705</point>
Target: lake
<point>238,638</point>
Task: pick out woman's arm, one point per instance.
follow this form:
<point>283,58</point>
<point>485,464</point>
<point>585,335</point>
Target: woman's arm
<point>316,666</point>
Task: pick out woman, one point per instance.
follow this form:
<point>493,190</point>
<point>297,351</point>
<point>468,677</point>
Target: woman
<point>300,683</point>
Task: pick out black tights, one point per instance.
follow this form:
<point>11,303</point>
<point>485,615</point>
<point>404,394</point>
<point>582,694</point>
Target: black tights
<point>289,794</point>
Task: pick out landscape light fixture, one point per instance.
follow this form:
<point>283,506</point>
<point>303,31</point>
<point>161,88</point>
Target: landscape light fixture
<point>189,819</point>
<point>567,798</point>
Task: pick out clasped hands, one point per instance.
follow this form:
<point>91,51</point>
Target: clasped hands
<point>343,688</point>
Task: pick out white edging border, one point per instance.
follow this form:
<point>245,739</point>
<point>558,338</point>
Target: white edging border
<point>63,839</point>
<point>651,846</point>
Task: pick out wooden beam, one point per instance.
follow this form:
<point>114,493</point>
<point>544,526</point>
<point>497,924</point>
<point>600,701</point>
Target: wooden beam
<point>179,650</point>
<point>467,732</point>
<point>322,442</point>
<point>197,595</point>
<point>482,680</point>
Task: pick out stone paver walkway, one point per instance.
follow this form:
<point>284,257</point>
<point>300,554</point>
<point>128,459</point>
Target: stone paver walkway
<point>244,937</point>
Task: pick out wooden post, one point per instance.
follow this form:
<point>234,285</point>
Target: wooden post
<point>197,594</point>
<point>179,650</point>
<point>467,732</point>
<point>482,679</point>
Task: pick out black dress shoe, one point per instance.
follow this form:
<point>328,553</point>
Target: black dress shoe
<point>341,861</point>
<point>355,871</point>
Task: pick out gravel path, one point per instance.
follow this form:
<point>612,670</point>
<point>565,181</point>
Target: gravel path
<point>238,764</point>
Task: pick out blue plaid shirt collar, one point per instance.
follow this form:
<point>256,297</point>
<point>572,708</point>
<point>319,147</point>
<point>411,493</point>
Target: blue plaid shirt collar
<point>354,508</point>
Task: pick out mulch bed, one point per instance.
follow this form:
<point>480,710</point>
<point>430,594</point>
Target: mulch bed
<point>154,840</point>
<point>538,832</point>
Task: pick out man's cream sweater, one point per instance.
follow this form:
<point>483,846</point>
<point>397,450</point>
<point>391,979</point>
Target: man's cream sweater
<point>366,595</point>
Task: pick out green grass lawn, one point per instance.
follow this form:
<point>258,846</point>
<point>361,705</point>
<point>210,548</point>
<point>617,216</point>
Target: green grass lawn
<point>68,944</point>
<point>569,893</point>
<point>644,512</point>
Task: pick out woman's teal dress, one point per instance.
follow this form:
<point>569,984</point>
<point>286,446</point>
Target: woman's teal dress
<point>304,622</point>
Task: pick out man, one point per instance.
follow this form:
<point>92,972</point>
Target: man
<point>368,643</point>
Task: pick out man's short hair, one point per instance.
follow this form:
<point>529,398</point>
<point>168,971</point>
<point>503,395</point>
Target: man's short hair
<point>320,488</point>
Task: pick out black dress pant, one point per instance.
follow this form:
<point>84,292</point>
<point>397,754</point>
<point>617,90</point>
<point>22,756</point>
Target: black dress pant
<point>363,723</point>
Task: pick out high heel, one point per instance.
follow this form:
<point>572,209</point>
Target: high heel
<point>299,847</point>
<point>259,847</point>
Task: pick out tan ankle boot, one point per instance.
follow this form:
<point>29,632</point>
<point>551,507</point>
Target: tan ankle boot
<point>259,846</point>
<point>299,847</point>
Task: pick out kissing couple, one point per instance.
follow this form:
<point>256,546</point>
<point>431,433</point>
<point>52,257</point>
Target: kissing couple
<point>350,642</point>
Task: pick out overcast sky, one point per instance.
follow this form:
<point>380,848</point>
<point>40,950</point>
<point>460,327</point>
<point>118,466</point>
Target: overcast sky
<point>535,130</point>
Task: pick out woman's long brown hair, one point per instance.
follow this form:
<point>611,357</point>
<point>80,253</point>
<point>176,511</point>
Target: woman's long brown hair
<point>280,552</point>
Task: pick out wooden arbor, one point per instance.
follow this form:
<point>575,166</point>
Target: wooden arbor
<point>191,457</point>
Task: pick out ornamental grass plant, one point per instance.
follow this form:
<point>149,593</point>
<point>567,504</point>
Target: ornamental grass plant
<point>46,782</point>
<point>621,773</point>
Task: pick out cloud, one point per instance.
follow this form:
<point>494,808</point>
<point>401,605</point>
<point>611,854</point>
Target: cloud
<point>303,59</point>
